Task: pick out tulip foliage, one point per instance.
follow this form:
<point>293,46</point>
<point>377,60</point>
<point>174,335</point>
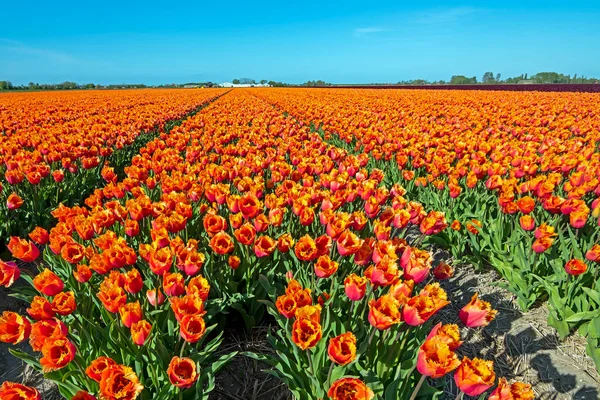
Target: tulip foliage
<point>238,213</point>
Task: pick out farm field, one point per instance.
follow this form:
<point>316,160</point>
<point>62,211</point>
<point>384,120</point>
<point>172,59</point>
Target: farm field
<point>396,243</point>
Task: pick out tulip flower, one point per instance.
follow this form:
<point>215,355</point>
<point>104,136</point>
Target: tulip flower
<point>384,312</point>
<point>475,376</point>
<point>477,313</point>
<point>342,348</point>
<point>97,367</point>
<point>16,391</point>
<point>182,372</point>
<point>516,391</point>
<point>9,273</point>
<point>349,389</point>
<point>306,333</point>
<point>355,287</point>
<point>575,267</point>
<point>592,254</point>
<point>119,381</point>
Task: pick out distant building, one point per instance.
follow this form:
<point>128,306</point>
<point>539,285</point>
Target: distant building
<point>526,81</point>
<point>191,86</point>
<point>242,85</point>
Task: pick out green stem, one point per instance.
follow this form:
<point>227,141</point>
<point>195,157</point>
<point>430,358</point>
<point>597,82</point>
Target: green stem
<point>182,348</point>
<point>328,381</point>
<point>417,388</point>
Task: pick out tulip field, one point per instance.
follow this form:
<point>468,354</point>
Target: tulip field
<point>139,225</point>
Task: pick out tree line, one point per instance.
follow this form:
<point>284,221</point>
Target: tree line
<point>487,78</point>
<point>491,78</point>
<point>7,85</point>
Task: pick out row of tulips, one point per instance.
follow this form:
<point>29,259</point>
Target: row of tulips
<point>58,153</point>
<point>517,173</point>
<point>238,212</point>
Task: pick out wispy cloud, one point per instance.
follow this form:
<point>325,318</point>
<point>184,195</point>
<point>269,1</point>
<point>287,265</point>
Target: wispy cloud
<point>444,16</point>
<point>368,31</point>
<point>16,47</point>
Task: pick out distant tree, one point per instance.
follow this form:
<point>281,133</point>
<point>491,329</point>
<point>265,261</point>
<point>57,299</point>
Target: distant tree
<point>498,77</point>
<point>247,81</point>
<point>263,81</point>
<point>525,77</point>
<point>316,83</point>
<point>236,81</point>
<point>488,77</point>
<point>462,80</point>
<point>6,85</point>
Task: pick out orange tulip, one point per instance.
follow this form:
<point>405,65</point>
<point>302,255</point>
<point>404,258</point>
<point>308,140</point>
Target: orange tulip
<point>349,389</point>
<point>16,391</point>
<point>182,372</point>
<point>286,305</point>
<point>83,395</point>
<point>133,281</point>
<point>516,391</point>
<point>155,297</point>
<point>9,273</point>
<point>443,271</point>
<point>306,333</point>
<point>119,382</point>
<point>199,286</point>
<point>355,287</point>
<point>310,312</point>
<point>22,249</point>
<point>592,254</point>
<point>245,234</point>
<point>130,313</point>
<point>477,313</point>
<point>475,376</point>
<point>97,367</point>
<point>40,309</point>
<point>14,201</point>
<point>342,348</point>
<point>384,312</point>
<point>39,235</point>
<point>348,243</point>
<point>160,260</point>
<point>575,267</point>
<point>173,284</point>
<point>527,222</point>
<point>13,328</point>
<point>64,303</point>
<point>306,249</point>
<point>41,331</point>
<point>420,308</point>
<point>264,246</point>
<point>221,243</point>
<point>57,353</point>
<point>435,358</point>
<point>234,262</point>
<point>192,328</point>
<point>325,266</point>
<point>285,242</point>
<point>140,331</point>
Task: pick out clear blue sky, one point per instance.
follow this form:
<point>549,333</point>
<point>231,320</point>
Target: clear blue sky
<point>293,41</point>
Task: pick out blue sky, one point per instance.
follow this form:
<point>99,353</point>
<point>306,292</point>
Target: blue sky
<point>351,41</point>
